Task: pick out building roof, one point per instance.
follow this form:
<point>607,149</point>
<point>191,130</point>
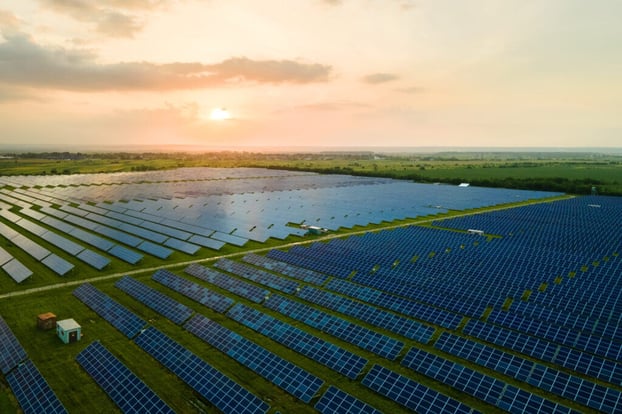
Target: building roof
<point>68,324</point>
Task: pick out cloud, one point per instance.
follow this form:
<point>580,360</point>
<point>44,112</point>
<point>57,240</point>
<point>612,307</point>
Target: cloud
<point>9,23</point>
<point>412,89</point>
<point>333,2</point>
<point>380,78</point>
<point>26,63</point>
<point>105,15</point>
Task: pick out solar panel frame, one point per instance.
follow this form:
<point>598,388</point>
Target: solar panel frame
<point>125,389</point>
<point>32,391</point>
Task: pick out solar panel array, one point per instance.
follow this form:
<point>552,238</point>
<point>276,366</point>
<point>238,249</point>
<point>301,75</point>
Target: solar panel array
<point>198,293</point>
<point>224,393</point>
<point>330,355</point>
<point>257,275</point>
<point>156,300</point>
<point>120,317</point>
<point>336,401</point>
<point>127,391</point>
<point>288,376</point>
<point>32,391</point>
<point>229,283</point>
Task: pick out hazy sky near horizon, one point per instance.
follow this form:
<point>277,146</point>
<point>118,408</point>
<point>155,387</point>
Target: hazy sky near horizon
<point>311,72</point>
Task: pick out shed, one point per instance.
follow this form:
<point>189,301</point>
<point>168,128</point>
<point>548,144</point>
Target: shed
<point>68,330</point>
<point>46,321</point>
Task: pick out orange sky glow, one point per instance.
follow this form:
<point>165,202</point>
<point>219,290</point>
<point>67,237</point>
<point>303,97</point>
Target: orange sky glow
<point>315,73</point>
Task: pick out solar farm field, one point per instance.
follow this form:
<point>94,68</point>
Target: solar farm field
<point>199,291</point>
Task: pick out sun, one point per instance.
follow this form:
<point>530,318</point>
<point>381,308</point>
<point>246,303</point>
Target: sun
<point>219,114</point>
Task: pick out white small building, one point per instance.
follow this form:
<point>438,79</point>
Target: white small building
<point>68,330</point>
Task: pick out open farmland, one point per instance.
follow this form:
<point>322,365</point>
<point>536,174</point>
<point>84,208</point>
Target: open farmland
<point>230,305</point>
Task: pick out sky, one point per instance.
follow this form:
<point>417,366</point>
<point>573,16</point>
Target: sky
<point>311,73</point>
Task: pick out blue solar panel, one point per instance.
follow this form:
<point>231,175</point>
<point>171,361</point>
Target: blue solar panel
<point>241,288</point>
<point>127,391</point>
<point>207,242</point>
<point>57,224</point>
<point>412,395</point>
<point>155,250</point>
<point>11,351</point>
<point>198,293</point>
<point>4,256</point>
<point>92,239</point>
<point>34,249</point>
<point>330,355</point>
<point>291,378</point>
<point>17,270</point>
<point>156,300</point>
<point>182,246</point>
<point>224,393</point>
<point>230,239</point>
<point>121,318</point>
<point>32,391</point>
<point>336,401</point>
<point>118,236</point>
<point>58,265</point>
<point>143,233</point>
<point>360,336</point>
<point>125,254</point>
<point>257,275</point>
<point>93,259</point>
<point>299,273</point>
<point>62,243</point>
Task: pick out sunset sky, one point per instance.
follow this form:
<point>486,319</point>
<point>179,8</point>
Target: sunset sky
<point>248,73</point>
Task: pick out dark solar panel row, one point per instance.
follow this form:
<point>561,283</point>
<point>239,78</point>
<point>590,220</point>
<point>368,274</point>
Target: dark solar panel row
<point>11,351</point>
<point>257,275</point>
<point>360,336</point>
<point>575,360</point>
<point>125,254</point>
<point>481,386</point>
<point>182,246</point>
<point>412,395</point>
<point>295,272</point>
<point>171,309</point>
<point>224,393</point>
<point>286,375</point>
<point>93,259</point>
<point>239,287</point>
<point>155,250</point>
<point>336,401</point>
<point>558,334</point>
<point>395,303</point>
<point>330,355</point>
<point>309,263</point>
<point>571,387</point>
<point>406,327</point>
<point>198,293</point>
<point>57,264</point>
<point>127,391</point>
<point>117,315</point>
<point>207,242</point>
<point>32,391</point>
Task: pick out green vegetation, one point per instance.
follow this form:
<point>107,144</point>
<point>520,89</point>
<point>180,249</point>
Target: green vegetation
<point>574,173</point>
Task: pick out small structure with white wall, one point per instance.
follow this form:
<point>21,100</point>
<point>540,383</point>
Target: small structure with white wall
<point>68,331</point>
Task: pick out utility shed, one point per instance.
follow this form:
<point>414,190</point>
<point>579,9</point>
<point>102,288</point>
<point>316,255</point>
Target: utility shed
<point>46,321</point>
<point>68,330</point>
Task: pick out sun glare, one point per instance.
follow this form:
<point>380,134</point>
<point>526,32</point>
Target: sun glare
<point>219,114</point>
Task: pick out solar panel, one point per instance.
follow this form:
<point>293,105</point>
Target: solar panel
<point>155,250</point>
<point>330,355</point>
<point>30,247</point>
<point>120,317</point>
<point>144,233</point>
<point>34,228</point>
<point>17,270</point>
<point>360,336</point>
<point>230,239</point>
<point>198,293</point>
<point>4,256</point>
<point>11,351</point>
<point>57,264</point>
<point>8,232</point>
<point>206,242</point>
<point>224,393</point>
<point>32,391</point>
<point>93,259</point>
<point>288,376</point>
<point>127,391</point>
<point>58,224</point>
<point>62,243</point>
<point>239,287</point>
<point>182,246</point>
<point>257,275</point>
<point>412,395</point>
<point>124,254</point>
<point>90,238</point>
<point>156,300</point>
<point>336,401</point>
<point>299,273</point>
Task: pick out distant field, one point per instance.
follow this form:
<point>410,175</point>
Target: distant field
<point>574,173</point>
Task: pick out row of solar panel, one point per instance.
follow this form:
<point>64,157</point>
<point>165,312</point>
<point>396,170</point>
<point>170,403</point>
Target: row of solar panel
<point>571,387</point>
<point>31,390</point>
<point>231,284</point>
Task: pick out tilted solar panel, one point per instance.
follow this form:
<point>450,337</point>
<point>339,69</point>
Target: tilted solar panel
<point>336,401</point>
<point>57,264</point>
<point>17,270</point>
<point>226,394</point>
<point>11,351</point>
<point>125,254</point>
<point>32,391</point>
<point>127,391</point>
